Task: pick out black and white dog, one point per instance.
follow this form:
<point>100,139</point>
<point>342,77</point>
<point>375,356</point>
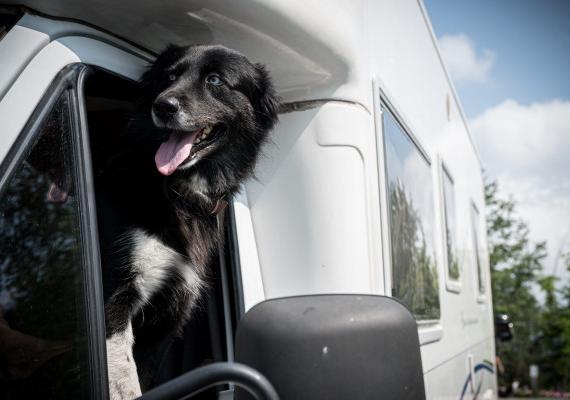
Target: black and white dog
<point>205,113</point>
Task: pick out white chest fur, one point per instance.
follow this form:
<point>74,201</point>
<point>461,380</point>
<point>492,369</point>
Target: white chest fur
<point>152,262</point>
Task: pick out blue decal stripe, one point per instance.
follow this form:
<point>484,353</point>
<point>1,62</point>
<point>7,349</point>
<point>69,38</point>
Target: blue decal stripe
<point>478,367</point>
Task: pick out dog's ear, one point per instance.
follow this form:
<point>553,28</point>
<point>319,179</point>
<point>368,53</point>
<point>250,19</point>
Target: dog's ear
<point>266,102</point>
<point>154,76</point>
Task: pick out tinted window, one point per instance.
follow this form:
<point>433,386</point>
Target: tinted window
<point>450,226</point>
<point>411,210</point>
<point>42,333</point>
<point>476,250</point>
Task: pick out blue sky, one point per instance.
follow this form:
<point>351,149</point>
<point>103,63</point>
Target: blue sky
<point>510,63</point>
<point>529,38</point>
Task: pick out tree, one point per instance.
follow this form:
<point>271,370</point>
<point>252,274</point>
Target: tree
<point>515,266</point>
<point>553,344</point>
<point>415,273</point>
<point>564,361</point>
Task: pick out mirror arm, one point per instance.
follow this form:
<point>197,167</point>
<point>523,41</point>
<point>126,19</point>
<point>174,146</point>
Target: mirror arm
<point>203,378</point>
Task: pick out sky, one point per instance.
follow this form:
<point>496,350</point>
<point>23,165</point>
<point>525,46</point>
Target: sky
<point>510,64</point>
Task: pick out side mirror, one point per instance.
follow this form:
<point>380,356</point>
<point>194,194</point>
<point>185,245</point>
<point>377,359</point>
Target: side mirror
<point>333,347</point>
<point>503,327</point>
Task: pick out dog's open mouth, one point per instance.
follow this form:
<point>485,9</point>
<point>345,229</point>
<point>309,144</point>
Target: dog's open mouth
<point>179,147</point>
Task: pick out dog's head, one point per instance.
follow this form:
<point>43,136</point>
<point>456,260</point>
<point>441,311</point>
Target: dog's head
<point>212,109</point>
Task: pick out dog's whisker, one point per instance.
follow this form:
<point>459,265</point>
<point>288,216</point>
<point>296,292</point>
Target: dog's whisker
<point>175,191</point>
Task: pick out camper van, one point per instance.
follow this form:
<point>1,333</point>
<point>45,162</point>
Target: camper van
<point>370,193</point>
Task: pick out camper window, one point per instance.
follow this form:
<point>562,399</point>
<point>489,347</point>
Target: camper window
<point>411,217</point>
<point>477,250</point>
<point>450,229</point>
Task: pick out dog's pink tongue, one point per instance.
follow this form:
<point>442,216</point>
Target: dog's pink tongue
<point>173,152</point>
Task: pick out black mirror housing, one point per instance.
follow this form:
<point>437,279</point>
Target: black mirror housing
<point>333,347</point>
<point>503,327</point>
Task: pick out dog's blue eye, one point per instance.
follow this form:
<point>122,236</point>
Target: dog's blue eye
<point>214,80</point>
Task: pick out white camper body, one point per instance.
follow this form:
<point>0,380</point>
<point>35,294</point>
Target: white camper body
<point>319,216</point>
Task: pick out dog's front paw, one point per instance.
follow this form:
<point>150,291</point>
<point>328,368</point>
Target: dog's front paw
<point>123,389</point>
<point>123,377</point>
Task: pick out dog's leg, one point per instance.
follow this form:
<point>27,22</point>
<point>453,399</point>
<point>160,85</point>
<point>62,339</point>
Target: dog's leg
<point>149,262</point>
<point>123,377</point>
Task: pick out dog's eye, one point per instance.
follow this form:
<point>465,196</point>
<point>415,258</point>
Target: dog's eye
<point>214,80</point>
<point>172,77</point>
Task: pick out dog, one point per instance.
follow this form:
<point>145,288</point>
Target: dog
<point>204,114</point>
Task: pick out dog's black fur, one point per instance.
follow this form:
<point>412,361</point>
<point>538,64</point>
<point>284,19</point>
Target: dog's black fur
<point>186,89</point>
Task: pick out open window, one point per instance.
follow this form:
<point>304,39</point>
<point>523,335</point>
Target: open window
<point>208,336</point>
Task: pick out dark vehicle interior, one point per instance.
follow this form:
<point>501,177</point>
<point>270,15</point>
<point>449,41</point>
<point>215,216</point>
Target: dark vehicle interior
<point>8,17</point>
<point>207,337</point>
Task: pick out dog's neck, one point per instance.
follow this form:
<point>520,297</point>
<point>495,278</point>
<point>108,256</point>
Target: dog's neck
<point>199,216</point>
<point>194,194</point>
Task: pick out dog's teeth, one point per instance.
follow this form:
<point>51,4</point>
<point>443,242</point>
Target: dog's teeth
<point>198,140</point>
<point>207,130</point>
<point>203,136</point>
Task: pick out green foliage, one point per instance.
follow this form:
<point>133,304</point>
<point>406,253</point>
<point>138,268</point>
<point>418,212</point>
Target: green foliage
<point>452,261</point>
<point>453,267</point>
<point>542,331</point>
<point>414,268</point>
<point>39,244</point>
<point>553,342</point>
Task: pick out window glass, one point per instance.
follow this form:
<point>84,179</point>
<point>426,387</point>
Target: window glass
<point>411,210</point>
<point>476,250</point>
<point>450,226</point>
<point>42,332</point>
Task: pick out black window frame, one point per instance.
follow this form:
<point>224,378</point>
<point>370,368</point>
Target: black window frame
<point>232,259</point>
<point>71,79</point>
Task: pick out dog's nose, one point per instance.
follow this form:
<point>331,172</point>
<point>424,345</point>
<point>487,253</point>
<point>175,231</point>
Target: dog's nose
<point>166,105</point>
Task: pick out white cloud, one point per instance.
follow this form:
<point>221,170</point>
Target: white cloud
<point>462,61</point>
<point>527,148</point>
<point>526,140</point>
